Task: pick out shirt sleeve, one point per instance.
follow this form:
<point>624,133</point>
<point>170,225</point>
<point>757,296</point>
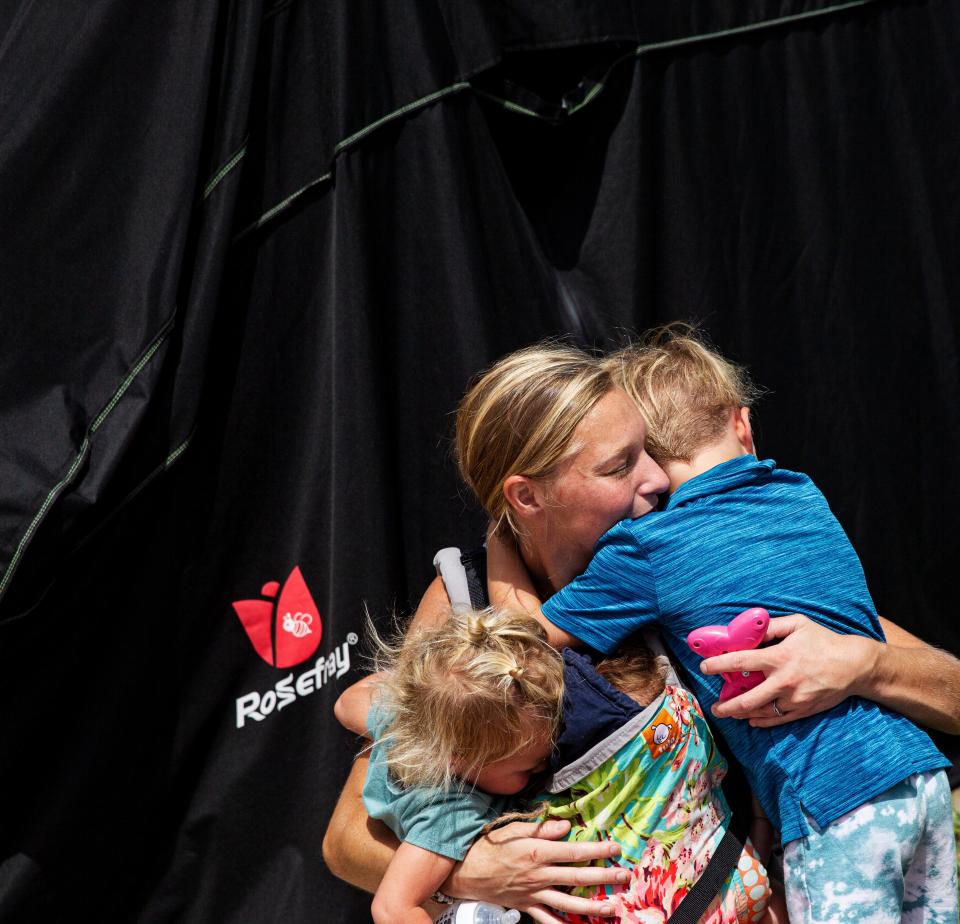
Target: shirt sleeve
<point>377,719</point>
<point>613,598</point>
<point>445,822</point>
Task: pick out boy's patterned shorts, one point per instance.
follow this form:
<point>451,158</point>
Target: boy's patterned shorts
<point>891,859</point>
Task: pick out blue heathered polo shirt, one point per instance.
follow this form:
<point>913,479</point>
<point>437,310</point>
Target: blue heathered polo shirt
<point>745,534</point>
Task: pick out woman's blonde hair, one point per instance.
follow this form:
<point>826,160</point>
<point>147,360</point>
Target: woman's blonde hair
<point>475,689</point>
<point>519,416</point>
<point>684,389</point>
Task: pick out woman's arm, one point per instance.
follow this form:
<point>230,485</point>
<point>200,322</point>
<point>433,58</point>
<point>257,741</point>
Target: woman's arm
<point>813,668</point>
<point>356,848</point>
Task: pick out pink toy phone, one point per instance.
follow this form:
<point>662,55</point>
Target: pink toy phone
<point>745,632</point>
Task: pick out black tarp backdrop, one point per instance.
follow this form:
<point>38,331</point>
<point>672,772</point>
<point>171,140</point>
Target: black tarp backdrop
<point>251,256</point>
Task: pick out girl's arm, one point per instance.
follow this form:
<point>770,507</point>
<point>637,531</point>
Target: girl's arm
<point>813,668</point>
<point>353,705</point>
<point>413,875</point>
<point>522,865</point>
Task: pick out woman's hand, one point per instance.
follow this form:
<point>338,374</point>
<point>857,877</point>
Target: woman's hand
<point>517,866</point>
<point>812,668</point>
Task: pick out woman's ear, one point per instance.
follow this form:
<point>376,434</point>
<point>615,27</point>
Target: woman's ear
<point>523,495</point>
<point>741,424</point>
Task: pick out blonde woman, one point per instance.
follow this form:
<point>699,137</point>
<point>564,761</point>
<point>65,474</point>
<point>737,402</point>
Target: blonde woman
<point>555,454</point>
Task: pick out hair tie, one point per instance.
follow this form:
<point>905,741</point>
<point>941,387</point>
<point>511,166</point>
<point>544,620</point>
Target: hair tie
<point>476,629</point>
<point>516,672</point>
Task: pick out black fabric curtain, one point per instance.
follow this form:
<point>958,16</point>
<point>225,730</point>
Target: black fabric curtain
<point>252,254</point>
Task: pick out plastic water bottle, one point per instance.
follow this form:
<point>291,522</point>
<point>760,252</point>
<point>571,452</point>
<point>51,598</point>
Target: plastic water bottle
<point>478,913</point>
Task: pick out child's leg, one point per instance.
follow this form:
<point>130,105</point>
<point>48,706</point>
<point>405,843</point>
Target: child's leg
<point>930,885</point>
<point>885,861</point>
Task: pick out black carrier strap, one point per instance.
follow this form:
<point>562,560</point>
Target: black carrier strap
<point>475,564</point>
<point>705,889</point>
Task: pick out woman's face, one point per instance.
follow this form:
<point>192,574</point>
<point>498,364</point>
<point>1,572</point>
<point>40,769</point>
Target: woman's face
<point>608,479</point>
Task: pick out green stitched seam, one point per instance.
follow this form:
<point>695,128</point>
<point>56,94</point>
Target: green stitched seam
<point>279,207</point>
<point>673,43</point>
<point>594,91</point>
<point>751,27</point>
<point>82,454</point>
<point>225,169</point>
<point>134,372</point>
<point>179,451</point>
<point>403,110</point>
<point>507,104</point>
<point>42,512</point>
<point>514,107</point>
<point>341,146</point>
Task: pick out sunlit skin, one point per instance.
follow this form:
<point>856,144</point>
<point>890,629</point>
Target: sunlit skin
<point>607,478</point>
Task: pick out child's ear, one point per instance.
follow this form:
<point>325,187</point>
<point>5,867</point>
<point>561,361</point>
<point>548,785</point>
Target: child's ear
<point>741,425</point>
<point>523,494</point>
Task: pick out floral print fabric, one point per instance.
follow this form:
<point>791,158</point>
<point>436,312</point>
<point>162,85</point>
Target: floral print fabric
<point>659,798</point>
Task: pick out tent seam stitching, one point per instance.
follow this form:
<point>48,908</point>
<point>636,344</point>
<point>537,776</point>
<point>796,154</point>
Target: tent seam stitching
<point>461,85</point>
<point>84,450</point>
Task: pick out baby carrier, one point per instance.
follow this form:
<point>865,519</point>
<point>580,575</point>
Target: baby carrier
<point>612,748</point>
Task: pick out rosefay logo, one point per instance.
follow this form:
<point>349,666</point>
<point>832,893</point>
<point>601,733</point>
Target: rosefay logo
<point>285,630</point>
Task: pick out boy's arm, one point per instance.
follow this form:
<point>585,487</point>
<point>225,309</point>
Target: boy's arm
<point>511,587</point>
<point>413,875</point>
<point>813,668</point>
<point>353,705</point>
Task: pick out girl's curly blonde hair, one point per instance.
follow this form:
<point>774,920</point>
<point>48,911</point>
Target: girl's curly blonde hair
<point>475,689</point>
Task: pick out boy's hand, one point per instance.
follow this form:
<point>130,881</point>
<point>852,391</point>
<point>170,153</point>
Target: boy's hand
<point>809,671</point>
<point>520,866</point>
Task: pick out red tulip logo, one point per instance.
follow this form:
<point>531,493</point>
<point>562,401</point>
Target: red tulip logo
<point>285,631</point>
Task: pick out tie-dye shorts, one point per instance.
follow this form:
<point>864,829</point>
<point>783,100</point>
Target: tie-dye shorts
<point>892,859</point>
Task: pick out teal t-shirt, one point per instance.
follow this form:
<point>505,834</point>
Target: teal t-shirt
<point>442,822</point>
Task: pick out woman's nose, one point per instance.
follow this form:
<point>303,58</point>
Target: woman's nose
<point>655,480</point>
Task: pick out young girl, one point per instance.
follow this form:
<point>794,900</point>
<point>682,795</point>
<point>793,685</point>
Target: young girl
<point>476,700</point>
<point>460,713</point>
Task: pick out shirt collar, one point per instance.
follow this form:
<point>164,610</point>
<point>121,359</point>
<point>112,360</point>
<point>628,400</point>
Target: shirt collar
<point>734,473</point>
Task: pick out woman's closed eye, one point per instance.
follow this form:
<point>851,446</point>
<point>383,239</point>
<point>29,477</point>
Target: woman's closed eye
<point>622,468</point>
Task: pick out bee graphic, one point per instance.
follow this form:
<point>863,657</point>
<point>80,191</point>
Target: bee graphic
<point>660,733</point>
<point>297,624</point>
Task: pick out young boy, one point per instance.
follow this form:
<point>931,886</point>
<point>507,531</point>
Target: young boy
<point>858,793</point>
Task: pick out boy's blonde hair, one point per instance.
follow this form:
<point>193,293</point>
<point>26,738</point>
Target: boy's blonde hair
<point>518,418</point>
<point>684,389</point>
<point>475,689</point>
